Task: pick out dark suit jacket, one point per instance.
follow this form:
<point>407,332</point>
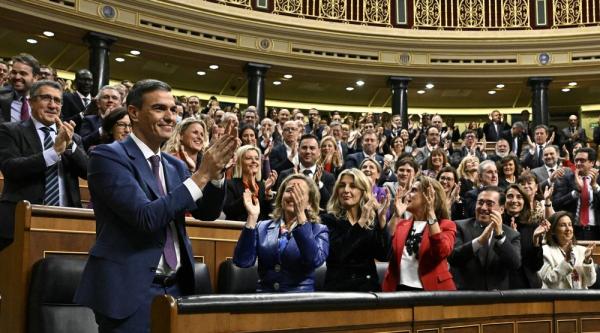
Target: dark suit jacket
<point>327,178</point>
<point>508,136</point>
<point>562,198</point>
<point>490,132</point>
<point>23,166</point>
<point>490,267</point>
<point>531,161</point>
<point>433,251</point>
<point>7,95</point>
<point>234,208</point>
<point>90,131</point>
<point>532,258</point>
<point>294,268</point>
<point>566,132</point>
<point>459,155</point>
<point>354,160</point>
<point>131,222</point>
<point>352,254</point>
<point>279,159</point>
<point>71,108</point>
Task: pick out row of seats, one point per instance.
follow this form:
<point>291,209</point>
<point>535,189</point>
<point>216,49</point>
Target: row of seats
<point>55,279</point>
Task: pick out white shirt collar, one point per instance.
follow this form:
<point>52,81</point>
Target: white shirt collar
<point>146,151</point>
<point>39,125</point>
<point>312,169</point>
<point>89,96</point>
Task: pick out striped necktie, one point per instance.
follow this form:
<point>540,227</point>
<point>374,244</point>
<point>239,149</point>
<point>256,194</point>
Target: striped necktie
<point>51,193</point>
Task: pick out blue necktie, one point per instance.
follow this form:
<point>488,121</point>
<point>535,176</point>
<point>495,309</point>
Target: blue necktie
<point>51,193</point>
<point>169,249</point>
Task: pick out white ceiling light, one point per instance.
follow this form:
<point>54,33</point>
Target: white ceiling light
<point>349,88</point>
<point>288,76</point>
<point>500,85</point>
<point>360,83</point>
<point>31,41</point>
<point>201,73</point>
<point>492,92</point>
<point>276,83</point>
<point>565,89</point>
<point>429,85</point>
<point>135,52</point>
<point>48,33</point>
<point>420,92</point>
<point>213,66</point>
<point>119,59</point>
<point>572,84</point>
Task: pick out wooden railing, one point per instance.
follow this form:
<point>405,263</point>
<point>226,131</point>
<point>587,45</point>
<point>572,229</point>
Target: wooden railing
<point>42,231</point>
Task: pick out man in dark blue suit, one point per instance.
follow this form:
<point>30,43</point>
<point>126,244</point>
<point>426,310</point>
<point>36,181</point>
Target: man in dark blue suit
<point>140,197</point>
<point>108,99</point>
<point>370,141</point>
<point>285,155</point>
<point>309,153</point>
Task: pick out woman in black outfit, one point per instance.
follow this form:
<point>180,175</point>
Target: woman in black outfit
<point>247,175</point>
<point>357,234</point>
<point>517,214</point>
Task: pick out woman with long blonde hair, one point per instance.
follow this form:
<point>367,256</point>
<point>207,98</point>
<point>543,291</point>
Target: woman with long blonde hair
<point>331,157</point>
<point>357,234</point>
<point>188,141</point>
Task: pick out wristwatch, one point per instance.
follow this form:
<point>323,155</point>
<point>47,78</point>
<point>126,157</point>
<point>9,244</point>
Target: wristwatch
<point>432,221</point>
<point>499,236</point>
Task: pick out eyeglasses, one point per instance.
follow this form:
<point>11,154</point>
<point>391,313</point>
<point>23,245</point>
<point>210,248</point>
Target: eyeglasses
<point>489,203</point>
<point>446,179</point>
<point>123,125</point>
<point>48,98</point>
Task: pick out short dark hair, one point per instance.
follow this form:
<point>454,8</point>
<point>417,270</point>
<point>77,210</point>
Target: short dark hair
<point>109,122</point>
<point>492,188</point>
<point>308,136</point>
<point>28,60</point>
<point>140,88</point>
<point>590,151</point>
<point>407,160</point>
<point>447,169</point>
<point>544,127</point>
<point>44,83</point>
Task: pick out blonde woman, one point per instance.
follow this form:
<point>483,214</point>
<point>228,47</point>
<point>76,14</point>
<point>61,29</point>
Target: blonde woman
<point>247,177</point>
<point>331,157</point>
<point>188,142</point>
<point>291,245</point>
<point>357,234</point>
<point>467,174</point>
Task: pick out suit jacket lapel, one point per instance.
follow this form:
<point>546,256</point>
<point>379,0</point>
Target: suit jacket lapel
<point>140,163</point>
<point>482,254</point>
<point>31,135</point>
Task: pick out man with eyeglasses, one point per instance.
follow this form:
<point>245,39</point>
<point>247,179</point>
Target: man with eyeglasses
<point>108,99</point>
<point>14,99</point>
<point>485,250</point>
<point>469,147</point>
<point>579,194</point>
<point>285,155</point>
<point>41,158</point>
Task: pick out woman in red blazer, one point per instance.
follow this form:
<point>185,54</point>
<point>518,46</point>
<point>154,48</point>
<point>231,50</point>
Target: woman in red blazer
<point>420,245</point>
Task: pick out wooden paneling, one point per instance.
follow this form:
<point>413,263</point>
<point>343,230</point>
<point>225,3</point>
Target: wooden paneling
<point>49,231</point>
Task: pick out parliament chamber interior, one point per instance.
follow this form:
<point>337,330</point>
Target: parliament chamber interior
<point>418,166</point>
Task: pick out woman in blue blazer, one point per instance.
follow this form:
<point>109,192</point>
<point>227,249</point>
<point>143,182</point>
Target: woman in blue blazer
<point>291,245</point>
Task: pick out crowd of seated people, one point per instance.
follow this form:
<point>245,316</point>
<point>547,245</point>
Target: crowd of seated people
<point>345,190</point>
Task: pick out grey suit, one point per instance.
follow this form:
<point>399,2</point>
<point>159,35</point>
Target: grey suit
<point>542,176</point>
<point>490,266</point>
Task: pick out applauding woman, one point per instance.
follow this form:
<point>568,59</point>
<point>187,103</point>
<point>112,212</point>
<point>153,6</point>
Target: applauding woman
<point>566,265</point>
<point>247,176</point>
<point>188,142</point>
<point>331,158</point>
<point>290,246</point>
<point>357,233</point>
<point>420,245</point>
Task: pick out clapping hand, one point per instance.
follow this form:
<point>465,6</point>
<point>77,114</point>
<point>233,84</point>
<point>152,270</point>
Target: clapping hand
<point>217,156</point>
<point>589,250</point>
<point>539,232</point>
<point>64,135</point>
<point>429,197</point>
<point>252,208</point>
<point>300,203</point>
<point>270,181</point>
<point>383,208</point>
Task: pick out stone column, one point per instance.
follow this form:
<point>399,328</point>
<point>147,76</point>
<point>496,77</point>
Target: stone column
<point>256,86</point>
<point>399,86</point>
<point>539,99</point>
<point>99,64</point>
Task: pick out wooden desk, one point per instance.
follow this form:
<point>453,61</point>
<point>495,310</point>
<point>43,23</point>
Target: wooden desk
<point>42,231</point>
